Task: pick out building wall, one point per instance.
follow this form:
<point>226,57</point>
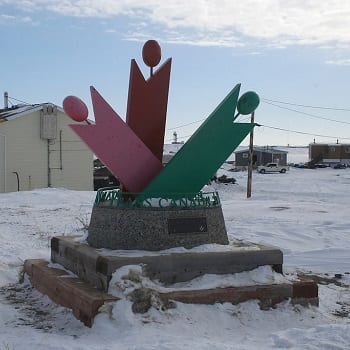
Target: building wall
<point>280,158</point>
<point>318,151</point>
<point>261,158</point>
<point>337,152</point>
<point>30,156</point>
<point>345,152</point>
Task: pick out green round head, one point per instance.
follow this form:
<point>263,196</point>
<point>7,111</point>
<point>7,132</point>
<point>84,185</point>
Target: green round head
<point>248,103</point>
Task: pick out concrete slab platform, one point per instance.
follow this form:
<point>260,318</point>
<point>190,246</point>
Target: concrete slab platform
<point>96,266</point>
<point>66,290</point>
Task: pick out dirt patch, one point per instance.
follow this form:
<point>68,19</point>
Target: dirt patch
<point>324,279</point>
<point>344,310</point>
<point>32,311</point>
<point>343,306</point>
<point>35,310</point>
<point>279,208</point>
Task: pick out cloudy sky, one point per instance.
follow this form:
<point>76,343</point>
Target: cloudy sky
<point>294,53</point>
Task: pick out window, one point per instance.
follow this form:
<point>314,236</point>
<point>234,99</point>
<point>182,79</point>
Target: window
<point>332,149</point>
<point>347,149</point>
<point>245,155</point>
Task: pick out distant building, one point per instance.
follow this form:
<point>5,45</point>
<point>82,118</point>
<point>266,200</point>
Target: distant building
<point>103,177</point>
<point>261,156</point>
<point>38,149</point>
<point>329,153</point>
<point>170,150</point>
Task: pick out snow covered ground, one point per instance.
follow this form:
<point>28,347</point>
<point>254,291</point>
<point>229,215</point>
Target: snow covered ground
<point>304,212</point>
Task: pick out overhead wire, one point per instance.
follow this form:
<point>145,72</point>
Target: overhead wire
<point>12,98</point>
<point>179,138</point>
<point>303,132</point>
<point>307,106</point>
<point>273,103</point>
<point>183,125</point>
<point>308,114</point>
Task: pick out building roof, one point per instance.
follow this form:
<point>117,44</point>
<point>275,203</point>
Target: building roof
<point>172,148</point>
<point>265,149</point>
<point>21,110</point>
<point>330,144</point>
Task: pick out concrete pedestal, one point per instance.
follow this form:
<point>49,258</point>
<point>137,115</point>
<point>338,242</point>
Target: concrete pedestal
<point>97,266</point>
<point>155,229</point>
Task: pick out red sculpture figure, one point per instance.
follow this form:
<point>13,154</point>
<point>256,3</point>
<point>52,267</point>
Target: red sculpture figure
<point>148,99</point>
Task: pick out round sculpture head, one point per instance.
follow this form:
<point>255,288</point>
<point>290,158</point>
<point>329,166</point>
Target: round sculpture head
<point>248,103</point>
<point>151,53</point>
<point>75,108</point>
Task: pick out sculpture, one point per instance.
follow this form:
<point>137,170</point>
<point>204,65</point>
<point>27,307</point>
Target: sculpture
<point>132,151</point>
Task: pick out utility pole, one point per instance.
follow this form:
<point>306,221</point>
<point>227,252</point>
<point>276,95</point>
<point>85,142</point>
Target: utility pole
<point>250,160</point>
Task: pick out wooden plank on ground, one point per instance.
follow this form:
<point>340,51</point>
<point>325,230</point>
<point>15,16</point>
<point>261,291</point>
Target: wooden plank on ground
<point>66,290</point>
<point>300,292</point>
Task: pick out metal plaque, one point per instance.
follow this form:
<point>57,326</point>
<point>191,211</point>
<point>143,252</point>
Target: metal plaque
<point>187,225</point>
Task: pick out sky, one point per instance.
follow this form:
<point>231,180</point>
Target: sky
<point>292,53</point>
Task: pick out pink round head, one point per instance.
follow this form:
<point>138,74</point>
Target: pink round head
<point>151,53</point>
<point>75,108</point>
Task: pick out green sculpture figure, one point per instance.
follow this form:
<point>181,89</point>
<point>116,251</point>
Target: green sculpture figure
<point>201,156</point>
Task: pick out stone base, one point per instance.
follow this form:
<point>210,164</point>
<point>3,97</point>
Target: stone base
<point>155,229</point>
<point>97,266</point>
<point>85,294</point>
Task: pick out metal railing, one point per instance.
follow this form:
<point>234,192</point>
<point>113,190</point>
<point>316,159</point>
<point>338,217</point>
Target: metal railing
<point>113,197</point>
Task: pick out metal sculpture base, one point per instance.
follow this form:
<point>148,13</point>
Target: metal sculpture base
<point>155,228</point>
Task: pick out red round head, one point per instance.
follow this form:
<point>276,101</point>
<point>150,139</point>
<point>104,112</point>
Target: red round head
<point>75,108</point>
<point>151,53</point>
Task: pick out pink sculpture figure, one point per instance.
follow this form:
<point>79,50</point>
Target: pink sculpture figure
<point>148,99</point>
<point>117,146</point>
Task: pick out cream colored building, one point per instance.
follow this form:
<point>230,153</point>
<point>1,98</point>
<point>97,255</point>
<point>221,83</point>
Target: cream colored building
<point>38,149</point>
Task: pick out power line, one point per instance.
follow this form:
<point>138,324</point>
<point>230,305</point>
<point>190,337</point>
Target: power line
<point>183,125</point>
<point>308,114</point>
<point>179,138</point>
<point>12,98</point>
<point>307,106</point>
<point>270,102</point>
<point>200,120</point>
<point>288,130</point>
<point>303,133</point>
